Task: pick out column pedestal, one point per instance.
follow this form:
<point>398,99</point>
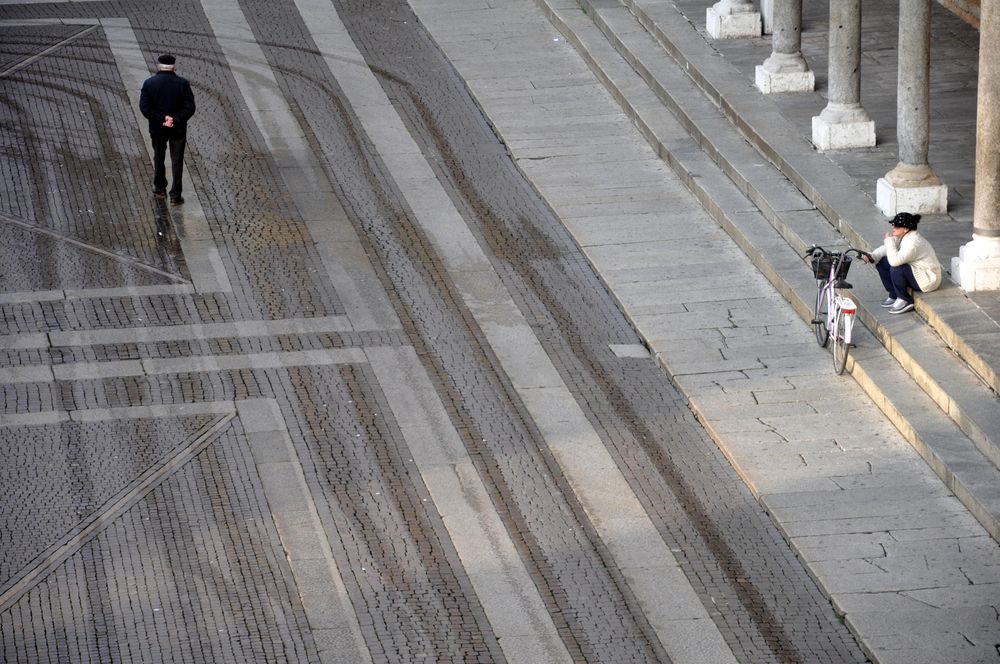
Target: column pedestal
<point>892,200</point>
<point>909,188</point>
<point>843,126</point>
<point>784,72</point>
<point>977,266</point>
<point>732,20</point>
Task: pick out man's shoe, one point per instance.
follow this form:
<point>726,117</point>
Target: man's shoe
<point>901,307</point>
<point>159,193</point>
<point>176,200</point>
<point>888,302</point>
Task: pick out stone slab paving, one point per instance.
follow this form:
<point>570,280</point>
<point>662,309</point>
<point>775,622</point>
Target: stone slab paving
<point>779,127</point>
<point>854,499</point>
<point>916,350</point>
<point>666,597</point>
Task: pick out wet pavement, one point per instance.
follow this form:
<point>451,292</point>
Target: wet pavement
<point>362,397</point>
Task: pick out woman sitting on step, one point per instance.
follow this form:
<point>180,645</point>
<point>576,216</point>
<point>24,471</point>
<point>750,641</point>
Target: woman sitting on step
<point>905,261</point>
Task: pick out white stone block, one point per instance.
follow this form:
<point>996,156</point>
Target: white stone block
<point>977,266</point>
<point>842,135</point>
<point>736,25</point>
<point>920,200</point>
<point>770,82</point>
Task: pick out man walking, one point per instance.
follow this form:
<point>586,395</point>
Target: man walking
<point>168,103</point>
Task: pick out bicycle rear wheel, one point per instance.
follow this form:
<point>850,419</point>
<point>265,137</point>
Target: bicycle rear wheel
<point>819,316</point>
<point>841,349</point>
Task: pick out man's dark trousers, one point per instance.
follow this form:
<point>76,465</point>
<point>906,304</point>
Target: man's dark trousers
<point>175,141</point>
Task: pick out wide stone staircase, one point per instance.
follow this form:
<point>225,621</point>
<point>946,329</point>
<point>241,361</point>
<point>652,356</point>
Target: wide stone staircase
<point>934,374</point>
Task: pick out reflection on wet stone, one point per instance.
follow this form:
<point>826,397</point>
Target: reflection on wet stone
<point>167,242</point>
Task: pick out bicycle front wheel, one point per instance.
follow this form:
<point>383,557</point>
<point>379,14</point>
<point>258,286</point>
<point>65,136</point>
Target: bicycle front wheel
<point>841,347</point>
<point>819,316</point>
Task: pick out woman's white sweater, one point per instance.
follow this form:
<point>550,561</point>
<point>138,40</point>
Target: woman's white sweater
<point>913,248</point>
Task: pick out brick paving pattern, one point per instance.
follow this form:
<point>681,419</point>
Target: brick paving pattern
<point>189,574</point>
<point>84,178</point>
<point>194,570</point>
<point>28,257</point>
<point>404,569</point>
<point>62,473</point>
<point>25,41</point>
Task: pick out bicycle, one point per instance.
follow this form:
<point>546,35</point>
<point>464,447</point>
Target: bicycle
<point>833,315</point>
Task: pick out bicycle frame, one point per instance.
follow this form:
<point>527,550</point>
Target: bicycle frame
<point>834,313</point>
<point>827,305</point>
<point>838,304</point>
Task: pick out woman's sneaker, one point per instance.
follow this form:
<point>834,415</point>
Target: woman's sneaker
<point>888,302</point>
<point>901,307</point>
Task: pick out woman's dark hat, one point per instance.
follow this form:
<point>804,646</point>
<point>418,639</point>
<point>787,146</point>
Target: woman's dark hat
<point>905,220</point>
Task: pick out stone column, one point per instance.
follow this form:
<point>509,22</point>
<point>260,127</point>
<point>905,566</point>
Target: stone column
<point>912,186</point>
<point>786,70</point>
<point>732,19</point>
<point>978,264</point>
<point>844,123</point>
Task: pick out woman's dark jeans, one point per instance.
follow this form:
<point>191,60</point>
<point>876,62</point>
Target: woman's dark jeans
<point>897,280</point>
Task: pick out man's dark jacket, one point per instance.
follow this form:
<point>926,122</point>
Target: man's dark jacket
<point>165,93</point>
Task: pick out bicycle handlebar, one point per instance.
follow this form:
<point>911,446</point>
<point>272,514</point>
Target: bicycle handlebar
<point>816,249</point>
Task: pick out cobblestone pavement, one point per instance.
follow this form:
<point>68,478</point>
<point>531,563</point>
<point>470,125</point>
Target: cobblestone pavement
<point>342,446</point>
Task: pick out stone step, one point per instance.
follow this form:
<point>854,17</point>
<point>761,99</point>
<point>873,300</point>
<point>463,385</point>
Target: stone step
<point>774,221</point>
<point>958,320</point>
<point>830,191</point>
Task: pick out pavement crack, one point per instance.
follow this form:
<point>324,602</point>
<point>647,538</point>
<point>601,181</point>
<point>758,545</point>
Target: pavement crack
<point>967,577</point>
<point>921,601</point>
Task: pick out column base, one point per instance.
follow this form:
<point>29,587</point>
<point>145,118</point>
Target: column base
<point>977,266</point>
<point>723,24</point>
<point>892,199</point>
<point>842,135</point>
<point>770,82</point>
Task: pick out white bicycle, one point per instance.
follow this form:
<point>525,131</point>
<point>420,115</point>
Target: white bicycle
<point>833,316</point>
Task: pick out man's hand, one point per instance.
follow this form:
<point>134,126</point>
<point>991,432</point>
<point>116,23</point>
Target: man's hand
<point>168,121</point>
